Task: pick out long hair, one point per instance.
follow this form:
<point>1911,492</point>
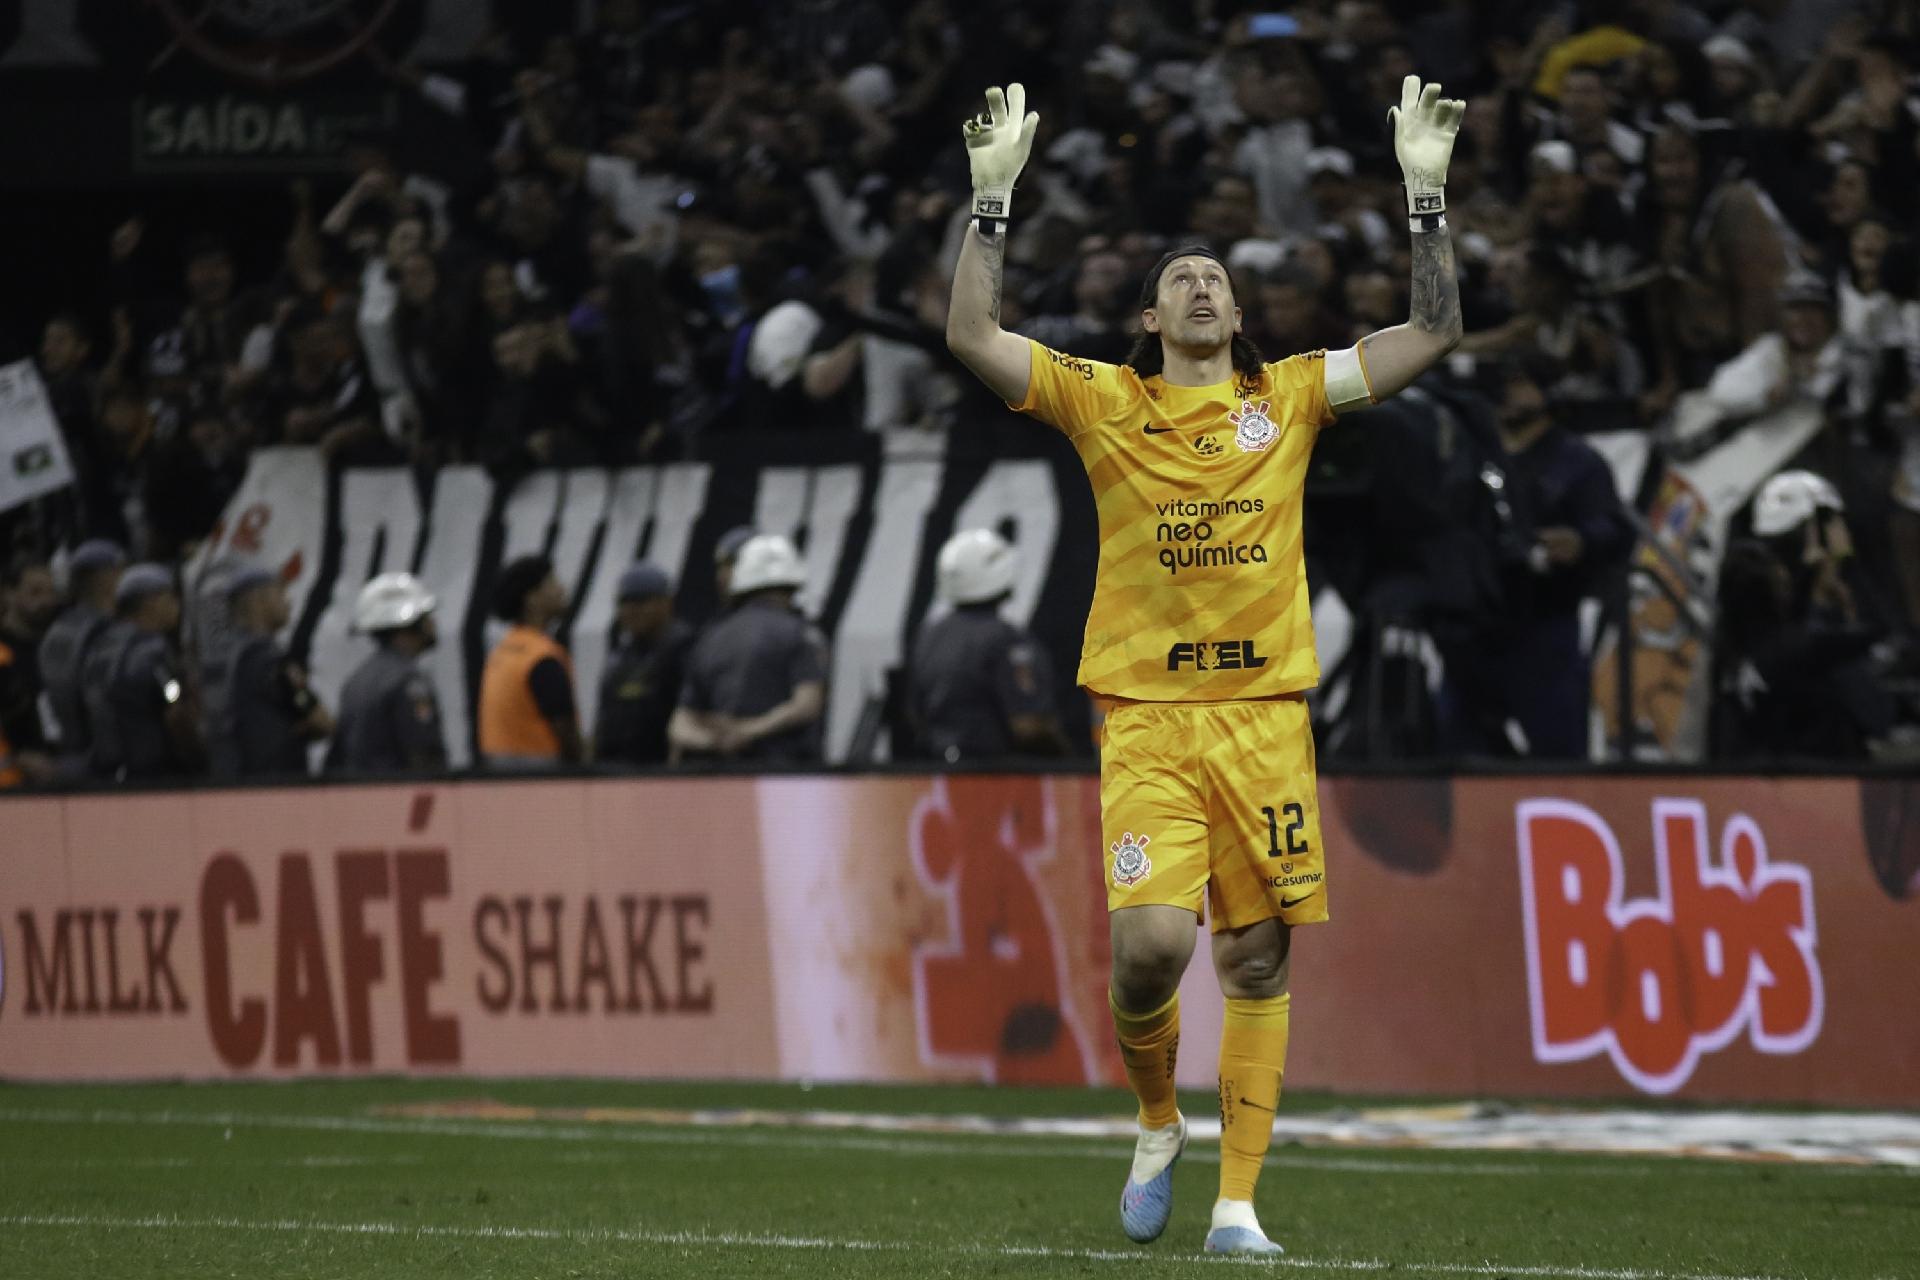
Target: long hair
<point>1148,357</point>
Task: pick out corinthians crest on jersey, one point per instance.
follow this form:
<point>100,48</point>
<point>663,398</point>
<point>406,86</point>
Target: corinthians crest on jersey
<point>1130,864</point>
<point>1253,430</point>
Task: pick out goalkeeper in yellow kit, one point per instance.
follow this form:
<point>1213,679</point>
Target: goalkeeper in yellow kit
<point>1199,635</point>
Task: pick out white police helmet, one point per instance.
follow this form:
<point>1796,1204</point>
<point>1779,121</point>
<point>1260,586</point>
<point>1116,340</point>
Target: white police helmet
<point>392,601</point>
<point>1790,499</point>
<point>766,560</point>
<point>975,566</point>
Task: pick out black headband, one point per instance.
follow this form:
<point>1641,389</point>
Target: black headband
<point>1150,290</point>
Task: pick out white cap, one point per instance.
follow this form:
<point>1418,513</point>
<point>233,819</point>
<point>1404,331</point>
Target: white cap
<point>392,601</point>
<point>871,85</point>
<point>778,347</point>
<point>766,560</point>
<point>1790,499</point>
<point>975,566</point>
<point>1726,48</point>
<point>1557,155</point>
<point>1112,60</point>
<point>1329,160</point>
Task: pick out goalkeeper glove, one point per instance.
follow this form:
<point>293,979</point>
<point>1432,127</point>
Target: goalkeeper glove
<point>997,147</point>
<point>1424,126</point>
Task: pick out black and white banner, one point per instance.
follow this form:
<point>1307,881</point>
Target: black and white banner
<point>869,529</point>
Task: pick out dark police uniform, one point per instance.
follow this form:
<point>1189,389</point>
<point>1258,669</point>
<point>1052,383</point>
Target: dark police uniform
<point>638,694</point>
<point>63,655</point>
<point>1525,662</point>
<point>972,673</point>
<point>257,702</point>
<point>389,718</point>
<point>132,678</point>
<point>750,662</point>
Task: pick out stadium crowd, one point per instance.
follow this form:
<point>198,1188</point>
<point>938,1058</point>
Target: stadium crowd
<point>1673,219</point>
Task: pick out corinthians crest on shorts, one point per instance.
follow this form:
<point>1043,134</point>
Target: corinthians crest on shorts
<point>1130,864</point>
<point>1253,430</point>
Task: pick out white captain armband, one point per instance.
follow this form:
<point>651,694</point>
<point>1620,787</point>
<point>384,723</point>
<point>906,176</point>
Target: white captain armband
<point>1347,384</point>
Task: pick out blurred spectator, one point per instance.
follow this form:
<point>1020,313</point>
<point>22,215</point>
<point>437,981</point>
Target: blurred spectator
<point>1722,252</point>
<point>1598,372</point>
<point>1093,329</point>
<point>1582,220</point>
<point>905,380</point>
<point>93,578</point>
<point>982,689</point>
<point>389,714</point>
<point>756,679</point>
<point>318,392</point>
<point>201,338</point>
<point>189,478</point>
<point>527,714</point>
<point>435,345</point>
<point>1802,359</point>
<point>1584,118</point>
<point>73,388</point>
<point>127,430</point>
<point>142,709</point>
<point>641,686</point>
<point>261,716</point>
<point>1796,674</point>
<point>1561,531</point>
<point>1341,214</point>
<point>1879,314</point>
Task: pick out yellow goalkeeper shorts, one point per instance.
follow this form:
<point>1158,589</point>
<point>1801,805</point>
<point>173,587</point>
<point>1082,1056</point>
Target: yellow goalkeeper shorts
<point>1217,798</point>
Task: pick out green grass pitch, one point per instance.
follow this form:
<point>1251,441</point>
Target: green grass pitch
<point>315,1180</point>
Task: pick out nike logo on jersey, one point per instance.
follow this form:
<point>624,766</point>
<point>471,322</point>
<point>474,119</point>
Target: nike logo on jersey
<point>1249,1102</point>
<point>1289,903</point>
<point>1152,430</point>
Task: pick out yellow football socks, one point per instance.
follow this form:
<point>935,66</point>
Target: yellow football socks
<point>1149,1043</point>
<point>1253,1056</point>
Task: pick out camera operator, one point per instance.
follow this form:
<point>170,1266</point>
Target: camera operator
<point>1796,665</point>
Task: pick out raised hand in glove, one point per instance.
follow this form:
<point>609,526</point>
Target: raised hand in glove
<point>998,143</point>
<point>1424,127</point>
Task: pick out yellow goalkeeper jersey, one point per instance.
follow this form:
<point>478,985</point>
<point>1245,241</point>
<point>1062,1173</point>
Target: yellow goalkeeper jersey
<point>1202,588</point>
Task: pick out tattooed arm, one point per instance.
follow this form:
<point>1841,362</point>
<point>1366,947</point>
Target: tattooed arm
<point>1394,357</point>
<point>1000,359</point>
<point>1384,363</point>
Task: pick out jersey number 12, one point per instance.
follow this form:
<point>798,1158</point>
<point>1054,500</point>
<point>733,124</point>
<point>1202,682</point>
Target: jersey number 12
<point>1296,830</point>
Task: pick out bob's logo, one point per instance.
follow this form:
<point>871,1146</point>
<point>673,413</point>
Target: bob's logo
<point>1726,947</point>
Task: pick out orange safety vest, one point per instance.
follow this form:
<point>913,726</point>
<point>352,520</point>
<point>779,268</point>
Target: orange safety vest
<point>510,720</point>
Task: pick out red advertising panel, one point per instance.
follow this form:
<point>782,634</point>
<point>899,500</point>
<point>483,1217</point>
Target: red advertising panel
<point>1727,938</point>
<point>505,928</point>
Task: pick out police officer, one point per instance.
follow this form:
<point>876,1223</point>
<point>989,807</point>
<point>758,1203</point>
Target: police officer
<point>28,601</point>
<point>389,716</point>
<point>642,683</point>
<point>141,708</point>
<point>266,713</point>
<point>527,711</point>
<point>93,573</point>
<point>979,687</point>
<point>756,685</point>
<point>1561,531</point>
